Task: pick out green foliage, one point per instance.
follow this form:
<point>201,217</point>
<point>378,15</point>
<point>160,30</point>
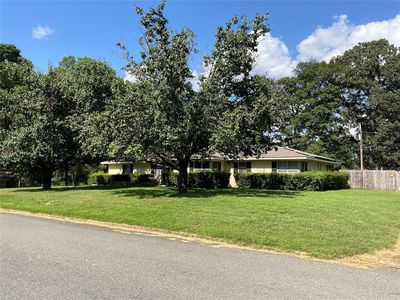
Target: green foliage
<point>166,120</point>
<point>10,53</point>
<point>304,181</point>
<point>203,179</point>
<point>43,133</point>
<point>311,113</point>
<point>323,105</point>
<point>172,179</point>
<point>119,178</point>
<point>369,81</point>
<point>16,74</point>
<point>99,178</point>
<point>141,179</point>
<point>209,179</point>
<point>102,178</point>
<point>272,181</point>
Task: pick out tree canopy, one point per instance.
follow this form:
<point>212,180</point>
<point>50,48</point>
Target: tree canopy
<point>164,120</point>
<point>328,102</point>
<point>42,133</point>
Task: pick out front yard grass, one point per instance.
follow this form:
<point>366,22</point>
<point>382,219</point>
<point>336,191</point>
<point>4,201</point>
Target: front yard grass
<point>331,224</point>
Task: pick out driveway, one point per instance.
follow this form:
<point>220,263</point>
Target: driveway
<point>49,259</point>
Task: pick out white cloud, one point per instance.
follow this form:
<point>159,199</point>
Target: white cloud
<point>41,32</point>
<point>323,44</point>
<point>273,58</point>
<point>130,77</point>
<point>195,81</point>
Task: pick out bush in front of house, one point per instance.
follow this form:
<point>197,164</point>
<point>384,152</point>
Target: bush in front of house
<point>305,181</point>
<point>140,179</point>
<point>119,178</point>
<point>172,179</point>
<point>102,178</point>
<point>209,179</point>
<point>203,179</point>
<point>99,178</point>
<point>260,180</point>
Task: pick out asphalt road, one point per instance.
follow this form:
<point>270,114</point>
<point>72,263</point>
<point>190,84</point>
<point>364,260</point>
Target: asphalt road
<point>48,259</point>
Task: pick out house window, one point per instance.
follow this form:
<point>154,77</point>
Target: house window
<point>274,166</point>
<point>303,166</point>
<point>288,167</point>
<point>198,165</point>
<point>216,166</point>
<point>242,167</point>
<point>127,169</point>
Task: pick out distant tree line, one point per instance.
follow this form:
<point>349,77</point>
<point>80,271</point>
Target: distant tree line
<point>80,112</point>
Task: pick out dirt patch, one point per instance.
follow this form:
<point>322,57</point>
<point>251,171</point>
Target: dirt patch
<point>382,258</point>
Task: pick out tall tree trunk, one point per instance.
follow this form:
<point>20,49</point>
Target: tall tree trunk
<point>66,175</point>
<point>47,175</point>
<point>183,176</point>
<point>77,173</point>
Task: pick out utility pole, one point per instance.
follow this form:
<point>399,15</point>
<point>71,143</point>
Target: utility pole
<point>361,153</point>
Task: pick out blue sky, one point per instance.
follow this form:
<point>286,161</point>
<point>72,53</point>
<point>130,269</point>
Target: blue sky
<point>299,29</point>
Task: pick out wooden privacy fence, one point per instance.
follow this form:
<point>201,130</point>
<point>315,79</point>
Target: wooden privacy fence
<point>375,179</point>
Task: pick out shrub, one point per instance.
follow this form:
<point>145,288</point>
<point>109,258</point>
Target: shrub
<point>99,178</point>
<point>142,179</point>
<point>305,181</point>
<point>204,179</point>
<point>102,178</point>
<point>209,179</point>
<point>172,179</point>
<point>261,180</point>
<point>119,178</point>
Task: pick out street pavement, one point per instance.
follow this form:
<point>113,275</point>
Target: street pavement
<point>50,259</point>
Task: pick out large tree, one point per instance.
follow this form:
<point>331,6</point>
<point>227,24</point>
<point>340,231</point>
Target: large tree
<point>326,104</point>
<point>163,119</point>
<point>16,76</point>
<point>369,79</point>
<point>16,73</point>
<point>44,141</point>
<point>52,114</point>
<point>312,113</point>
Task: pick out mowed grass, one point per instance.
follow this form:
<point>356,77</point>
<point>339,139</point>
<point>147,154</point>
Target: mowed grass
<point>330,224</point>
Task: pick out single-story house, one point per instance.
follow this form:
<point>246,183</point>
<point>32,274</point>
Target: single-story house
<point>278,160</point>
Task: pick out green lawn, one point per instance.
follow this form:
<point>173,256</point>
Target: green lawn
<point>328,224</point>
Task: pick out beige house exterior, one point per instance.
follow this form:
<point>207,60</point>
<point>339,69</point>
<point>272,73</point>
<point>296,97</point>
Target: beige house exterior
<point>278,160</point>
<point>125,167</point>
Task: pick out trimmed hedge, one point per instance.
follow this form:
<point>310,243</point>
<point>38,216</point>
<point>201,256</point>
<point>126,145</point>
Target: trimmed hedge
<point>204,179</point>
<point>99,178</point>
<point>142,179</point>
<point>102,178</point>
<point>304,181</point>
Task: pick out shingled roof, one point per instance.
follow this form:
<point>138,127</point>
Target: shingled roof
<point>277,152</point>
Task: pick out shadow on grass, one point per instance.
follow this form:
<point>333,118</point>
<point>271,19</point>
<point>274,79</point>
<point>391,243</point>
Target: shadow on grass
<point>142,193</point>
<point>76,188</point>
<point>158,192</point>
